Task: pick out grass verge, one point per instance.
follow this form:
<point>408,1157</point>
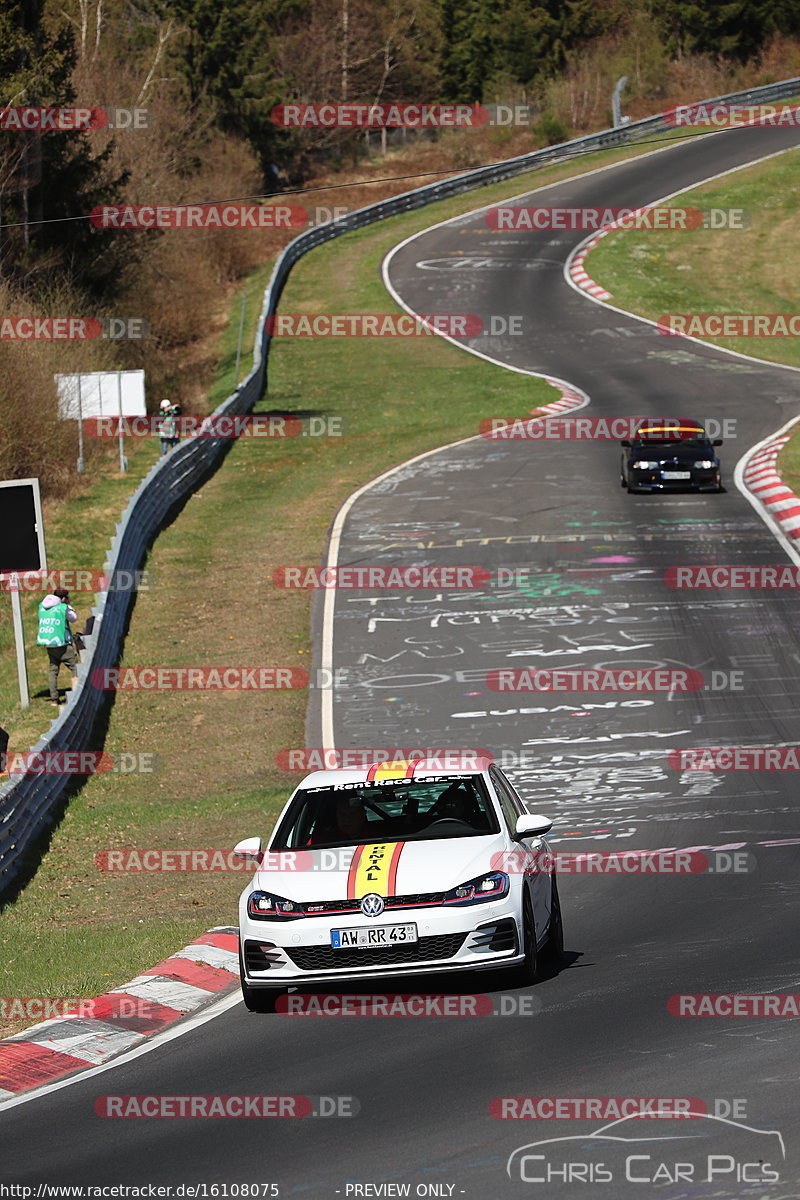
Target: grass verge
<point>734,270</point>
<point>749,270</point>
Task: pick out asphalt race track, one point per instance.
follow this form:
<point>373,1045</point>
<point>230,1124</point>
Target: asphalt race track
<point>415,665</point>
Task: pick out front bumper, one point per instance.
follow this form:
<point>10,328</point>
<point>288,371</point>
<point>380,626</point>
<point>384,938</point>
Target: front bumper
<point>279,954</point>
<point>652,481</point>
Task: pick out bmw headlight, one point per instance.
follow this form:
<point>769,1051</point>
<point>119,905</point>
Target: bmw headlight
<point>705,464</point>
<point>263,906</point>
<point>642,465</point>
<point>493,886</point>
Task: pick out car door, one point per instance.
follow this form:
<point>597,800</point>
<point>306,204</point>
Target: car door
<point>538,870</point>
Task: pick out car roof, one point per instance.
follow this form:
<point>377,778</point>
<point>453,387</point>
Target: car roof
<point>416,768</point>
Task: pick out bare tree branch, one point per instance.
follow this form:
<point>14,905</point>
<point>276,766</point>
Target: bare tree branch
<point>164,34</point>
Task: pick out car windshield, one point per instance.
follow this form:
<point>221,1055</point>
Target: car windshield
<point>672,434</point>
<point>387,811</point>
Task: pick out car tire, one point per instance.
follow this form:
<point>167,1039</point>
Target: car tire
<point>553,949</point>
<point>259,1000</point>
<point>528,971</point>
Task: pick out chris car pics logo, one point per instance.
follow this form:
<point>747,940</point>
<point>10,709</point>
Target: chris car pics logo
<point>706,1150</point>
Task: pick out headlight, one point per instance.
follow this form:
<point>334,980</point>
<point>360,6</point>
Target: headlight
<point>486,887</point>
<point>641,465</point>
<point>705,464</point>
<point>263,906</point>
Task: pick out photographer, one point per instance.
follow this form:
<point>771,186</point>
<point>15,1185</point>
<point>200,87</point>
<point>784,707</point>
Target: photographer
<point>168,425</point>
<point>55,614</point>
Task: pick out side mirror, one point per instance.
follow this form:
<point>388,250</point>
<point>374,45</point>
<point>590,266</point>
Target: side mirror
<point>626,443</point>
<point>249,848</point>
<point>717,442</point>
<point>531,826</point>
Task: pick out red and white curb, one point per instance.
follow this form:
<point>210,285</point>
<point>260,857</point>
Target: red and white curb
<point>762,480</point>
<point>578,273</point>
<point>126,1016</point>
<point>569,400</point>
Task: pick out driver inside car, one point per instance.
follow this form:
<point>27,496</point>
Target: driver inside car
<point>350,822</point>
<point>453,804</point>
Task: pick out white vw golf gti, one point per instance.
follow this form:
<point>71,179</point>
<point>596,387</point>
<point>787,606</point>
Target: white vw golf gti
<point>398,868</point>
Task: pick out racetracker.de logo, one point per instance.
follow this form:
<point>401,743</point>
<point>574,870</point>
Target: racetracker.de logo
<point>77,762</point>
<point>729,325</point>
<point>76,580</point>
<point>599,429</point>
<point>735,758</point>
<point>509,217</point>
<point>199,216</point>
<point>735,1004</point>
<point>377,577</point>
<point>353,759</point>
<point>595,1108</point>
<point>198,679</point>
<point>313,325</point>
<point>72,329</point>
<point>64,120</point>
<point>155,862</point>
<point>241,425</point>
<point>102,1008</point>
<point>279,1107</point>
<point>617,679</point>
<point>729,116</point>
<point>724,577</point>
<point>498,1004</point>
<point>379,116</point>
<point>623,862</point>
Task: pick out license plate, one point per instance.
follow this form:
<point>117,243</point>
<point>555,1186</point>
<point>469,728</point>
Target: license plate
<point>676,474</point>
<point>378,935</point>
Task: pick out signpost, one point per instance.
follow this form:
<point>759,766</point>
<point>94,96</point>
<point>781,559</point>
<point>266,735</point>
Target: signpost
<point>21,549</point>
<point>90,393</point>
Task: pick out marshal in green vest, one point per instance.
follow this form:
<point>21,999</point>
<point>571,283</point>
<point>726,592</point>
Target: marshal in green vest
<point>52,625</point>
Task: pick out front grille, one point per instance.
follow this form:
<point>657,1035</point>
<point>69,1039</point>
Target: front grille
<point>324,958</point>
<point>321,907</point>
<point>411,901</point>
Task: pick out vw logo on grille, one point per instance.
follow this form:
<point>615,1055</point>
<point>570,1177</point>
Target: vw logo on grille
<point>372,905</point>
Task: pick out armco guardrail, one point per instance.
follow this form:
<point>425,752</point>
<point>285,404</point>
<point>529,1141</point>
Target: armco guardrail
<point>30,803</point>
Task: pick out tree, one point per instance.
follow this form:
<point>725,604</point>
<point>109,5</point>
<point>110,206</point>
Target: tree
<point>51,176</point>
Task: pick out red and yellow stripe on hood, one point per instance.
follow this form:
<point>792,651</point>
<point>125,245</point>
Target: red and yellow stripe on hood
<point>374,869</point>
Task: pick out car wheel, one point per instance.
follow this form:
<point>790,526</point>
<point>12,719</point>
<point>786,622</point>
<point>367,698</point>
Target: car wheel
<point>553,949</point>
<point>260,1000</point>
<point>528,971</point>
